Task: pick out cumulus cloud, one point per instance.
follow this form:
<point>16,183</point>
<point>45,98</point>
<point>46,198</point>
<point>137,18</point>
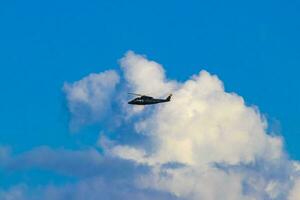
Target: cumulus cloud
<point>295,192</point>
<point>89,98</point>
<point>219,140</point>
<point>64,161</point>
<point>207,125</point>
<point>89,189</point>
<point>96,188</point>
<point>206,143</point>
<point>98,176</point>
<point>75,163</point>
<point>145,76</point>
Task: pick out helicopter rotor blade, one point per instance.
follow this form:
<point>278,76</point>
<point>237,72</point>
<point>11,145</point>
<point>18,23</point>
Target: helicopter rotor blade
<point>135,94</point>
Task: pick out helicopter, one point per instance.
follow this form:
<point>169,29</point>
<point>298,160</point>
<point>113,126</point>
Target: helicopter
<point>147,100</point>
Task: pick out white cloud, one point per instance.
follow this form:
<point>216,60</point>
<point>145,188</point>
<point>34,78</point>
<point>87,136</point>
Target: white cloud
<point>89,98</point>
<point>88,189</point>
<point>97,176</point>
<point>205,143</point>
<point>145,76</point>
<point>208,125</point>
<point>203,126</point>
<point>295,192</point>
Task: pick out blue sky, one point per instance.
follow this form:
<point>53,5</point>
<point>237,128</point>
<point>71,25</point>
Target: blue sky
<point>253,47</point>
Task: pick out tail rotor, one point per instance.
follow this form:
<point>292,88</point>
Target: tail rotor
<point>169,97</point>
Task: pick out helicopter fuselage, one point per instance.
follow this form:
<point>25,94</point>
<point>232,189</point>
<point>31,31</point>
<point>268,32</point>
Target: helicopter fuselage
<point>146,100</point>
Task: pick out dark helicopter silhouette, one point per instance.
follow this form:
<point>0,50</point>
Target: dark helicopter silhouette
<point>147,100</point>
